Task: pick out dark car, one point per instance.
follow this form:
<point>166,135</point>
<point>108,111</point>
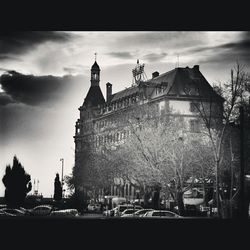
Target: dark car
<point>41,210</point>
<point>11,212</point>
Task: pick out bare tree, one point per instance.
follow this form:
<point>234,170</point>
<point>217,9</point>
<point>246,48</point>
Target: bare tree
<point>162,152</point>
<point>217,129</point>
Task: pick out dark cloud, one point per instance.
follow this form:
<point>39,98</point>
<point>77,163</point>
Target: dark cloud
<point>5,99</point>
<point>16,43</point>
<point>34,90</point>
<point>224,54</point>
<point>8,57</point>
<point>243,45</point>
<point>152,57</point>
<point>122,55</point>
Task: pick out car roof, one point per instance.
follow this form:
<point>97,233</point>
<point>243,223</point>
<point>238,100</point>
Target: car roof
<point>48,206</point>
<point>162,211</point>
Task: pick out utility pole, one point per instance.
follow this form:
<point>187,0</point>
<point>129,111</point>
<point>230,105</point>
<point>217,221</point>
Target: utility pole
<point>62,160</point>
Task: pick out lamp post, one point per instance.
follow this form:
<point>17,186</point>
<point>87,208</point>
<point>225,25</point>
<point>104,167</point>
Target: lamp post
<point>62,160</point>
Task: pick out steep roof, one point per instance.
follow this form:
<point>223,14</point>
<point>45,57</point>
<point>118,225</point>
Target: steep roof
<point>95,66</point>
<point>126,92</point>
<point>94,97</point>
<point>179,79</point>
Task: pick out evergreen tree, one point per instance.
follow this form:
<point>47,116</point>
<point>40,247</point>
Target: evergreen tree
<point>17,184</point>
<point>57,189</point>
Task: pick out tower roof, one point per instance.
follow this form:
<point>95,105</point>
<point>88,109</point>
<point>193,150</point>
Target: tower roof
<point>94,97</point>
<point>95,66</point>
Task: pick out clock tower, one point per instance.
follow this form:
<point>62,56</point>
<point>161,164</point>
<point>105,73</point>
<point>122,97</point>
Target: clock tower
<point>95,74</point>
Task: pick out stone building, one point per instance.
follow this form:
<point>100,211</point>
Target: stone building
<point>176,92</point>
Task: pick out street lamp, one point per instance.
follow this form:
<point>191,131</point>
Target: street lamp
<point>62,160</point>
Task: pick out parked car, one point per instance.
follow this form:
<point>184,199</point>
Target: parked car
<point>94,207</point>
<point>41,210</point>
<point>161,214</point>
<point>141,212</point>
<point>65,212</point>
<point>120,208</point>
<point>12,212</point>
<point>139,202</point>
<point>116,201</point>
<point>110,212</point>
<point>128,212</point>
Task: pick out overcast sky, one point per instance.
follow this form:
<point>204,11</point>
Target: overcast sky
<point>45,77</point>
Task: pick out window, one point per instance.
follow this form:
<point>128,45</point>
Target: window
<point>133,99</point>
<point>159,89</point>
<point>194,107</point>
<point>162,214</point>
<point>162,107</point>
<point>194,126</point>
<point>78,130</point>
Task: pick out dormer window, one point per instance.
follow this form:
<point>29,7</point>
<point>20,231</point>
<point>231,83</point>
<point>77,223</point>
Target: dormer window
<point>160,89</point>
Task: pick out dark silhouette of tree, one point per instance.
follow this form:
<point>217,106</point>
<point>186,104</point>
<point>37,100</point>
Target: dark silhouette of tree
<point>17,184</point>
<point>57,189</point>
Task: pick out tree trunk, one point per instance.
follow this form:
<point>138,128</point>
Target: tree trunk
<point>180,203</point>
<point>146,199</point>
<point>156,199</point>
<point>232,179</point>
<point>205,195</point>
<point>217,188</point>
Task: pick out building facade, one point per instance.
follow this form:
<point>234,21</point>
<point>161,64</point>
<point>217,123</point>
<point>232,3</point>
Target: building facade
<point>104,121</point>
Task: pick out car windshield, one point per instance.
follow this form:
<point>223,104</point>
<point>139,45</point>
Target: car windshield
<point>11,211</point>
<point>122,208</point>
<point>142,211</point>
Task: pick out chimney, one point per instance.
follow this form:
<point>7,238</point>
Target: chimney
<point>196,67</point>
<point>155,74</point>
<point>108,91</point>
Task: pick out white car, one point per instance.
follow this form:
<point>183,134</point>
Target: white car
<point>65,212</point>
<point>161,214</point>
<point>41,210</point>
<point>128,212</point>
<point>120,208</point>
